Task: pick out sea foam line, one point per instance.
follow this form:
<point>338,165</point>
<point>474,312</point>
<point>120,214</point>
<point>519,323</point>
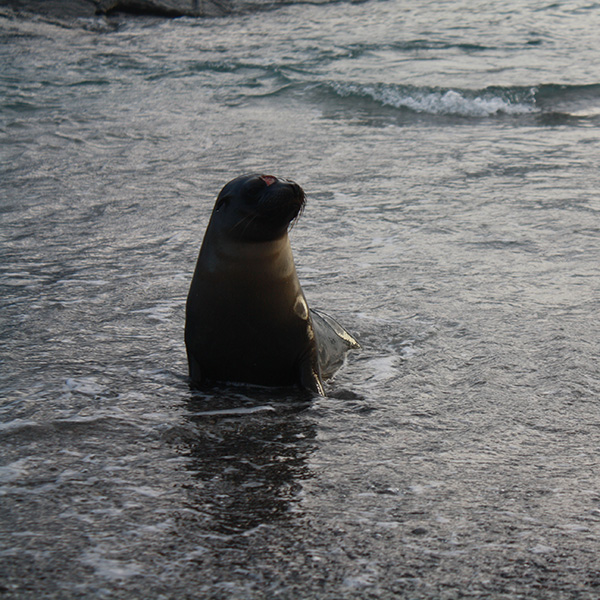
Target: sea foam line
<point>443,102</point>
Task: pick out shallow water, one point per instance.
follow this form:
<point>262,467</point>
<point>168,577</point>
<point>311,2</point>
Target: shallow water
<point>450,153</point>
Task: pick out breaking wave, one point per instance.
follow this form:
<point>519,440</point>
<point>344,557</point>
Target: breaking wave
<point>579,101</point>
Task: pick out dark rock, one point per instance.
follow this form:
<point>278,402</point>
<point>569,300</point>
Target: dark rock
<point>165,8</point>
<point>68,9</point>
<point>72,9</point>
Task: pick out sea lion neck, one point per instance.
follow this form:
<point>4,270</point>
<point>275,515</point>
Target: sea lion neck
<point>218,250</point>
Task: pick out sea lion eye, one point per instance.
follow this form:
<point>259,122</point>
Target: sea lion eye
<point>221,201</point>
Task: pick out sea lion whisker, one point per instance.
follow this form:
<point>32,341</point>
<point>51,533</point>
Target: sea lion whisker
<point>246,221</point>
<point>300,212</point>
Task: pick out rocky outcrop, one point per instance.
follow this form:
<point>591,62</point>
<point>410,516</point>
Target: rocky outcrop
<point>165,8</point>
<point>69,9</point>
<point>53,8</point>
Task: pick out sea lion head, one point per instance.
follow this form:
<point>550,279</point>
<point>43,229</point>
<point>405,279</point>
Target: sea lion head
<point>257,208</point>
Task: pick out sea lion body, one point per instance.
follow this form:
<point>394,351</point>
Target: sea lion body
<point>247,319</point>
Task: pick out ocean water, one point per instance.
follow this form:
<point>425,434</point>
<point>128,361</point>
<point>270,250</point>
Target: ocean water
<point>450,152</point>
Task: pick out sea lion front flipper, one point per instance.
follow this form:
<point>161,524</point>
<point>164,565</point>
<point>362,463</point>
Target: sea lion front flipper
<point>333,341</point>
<point>309,376</point>
<point>194,369</point>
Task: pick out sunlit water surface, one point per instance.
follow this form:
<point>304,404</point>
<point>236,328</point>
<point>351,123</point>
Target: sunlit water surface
<point>451,155</point>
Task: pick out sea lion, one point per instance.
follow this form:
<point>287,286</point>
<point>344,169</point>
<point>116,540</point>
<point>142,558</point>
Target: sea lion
<point>247,319</point>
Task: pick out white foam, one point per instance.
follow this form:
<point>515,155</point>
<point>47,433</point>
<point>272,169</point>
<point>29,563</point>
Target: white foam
<point>542,549</point>
<point>85,385</point>
<point>16,424</point>
<point>13,471</point>
<point>147,491</point>
<point>234,411</point>
<point>110,568</point>
<point>383,368</point>
<point>160,312</point>
<point>449,102</point>
<point>195,553</point>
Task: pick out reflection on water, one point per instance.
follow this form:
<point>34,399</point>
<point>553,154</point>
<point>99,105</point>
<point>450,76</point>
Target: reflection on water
<point>248,457</point>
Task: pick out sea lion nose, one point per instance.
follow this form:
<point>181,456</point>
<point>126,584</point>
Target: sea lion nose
<point>268,179</point>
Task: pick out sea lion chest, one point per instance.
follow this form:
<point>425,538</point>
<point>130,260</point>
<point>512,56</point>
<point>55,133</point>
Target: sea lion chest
<point>247,318</point>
